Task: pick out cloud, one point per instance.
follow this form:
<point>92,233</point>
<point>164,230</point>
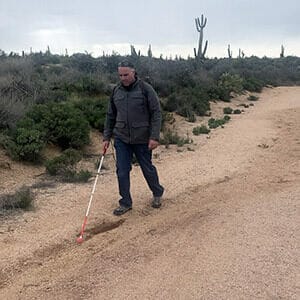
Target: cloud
<point>97,25</point>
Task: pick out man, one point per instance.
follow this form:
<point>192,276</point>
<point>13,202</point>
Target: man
<point>134,118</point>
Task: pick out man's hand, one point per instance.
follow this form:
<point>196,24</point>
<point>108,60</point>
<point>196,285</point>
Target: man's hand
<point>105,146</point>
<point>152,144</point>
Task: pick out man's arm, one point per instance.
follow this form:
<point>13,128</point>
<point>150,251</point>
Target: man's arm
<point>110,120</point>
<point>155,113</point>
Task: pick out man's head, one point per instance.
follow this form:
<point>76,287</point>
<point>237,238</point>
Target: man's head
<point>126,72</point>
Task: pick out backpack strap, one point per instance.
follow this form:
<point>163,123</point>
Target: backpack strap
<point>145,94</point>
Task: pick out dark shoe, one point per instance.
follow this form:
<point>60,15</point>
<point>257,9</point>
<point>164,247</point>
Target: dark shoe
<point>156,202</point>
<point>121,210</point>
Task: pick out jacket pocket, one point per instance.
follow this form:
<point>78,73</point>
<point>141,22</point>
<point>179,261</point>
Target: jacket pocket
<point>140,131</point>
<point>120,124</point>
<point>121,130</point>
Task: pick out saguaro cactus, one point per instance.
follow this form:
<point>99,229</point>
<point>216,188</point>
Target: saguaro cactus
<point>241,53</point>
<point>282,51</point>
<point>149,51</point>
<point>229,51</point>
<point>133,52</point>
<point>200,26</point>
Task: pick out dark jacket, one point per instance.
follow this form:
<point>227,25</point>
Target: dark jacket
<point>133,114</point>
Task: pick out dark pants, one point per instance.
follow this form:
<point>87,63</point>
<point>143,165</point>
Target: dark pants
<point>124,153</point>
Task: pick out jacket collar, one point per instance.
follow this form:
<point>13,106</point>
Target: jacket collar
<point>130,87</point>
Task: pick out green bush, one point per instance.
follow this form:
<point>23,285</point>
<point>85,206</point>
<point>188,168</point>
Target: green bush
<point>66,162</point>
<point>170,137</point>
<point>188,101</point>
<point>214,123</point>
<point>237,111</point>
<point>201,130</point>
<point>171,103</point>
<point>63,124</point>
<point>58,123</point>
<point>219,93</point>
<point>188,113</point>
<point>252,84</point>
<point>94,111</point>
<point>191,118</point>
<point>74,176</point>
<point>27,144</point>
<point>65,167</point>
<point>226,118</point>
<point>229,83</point>
<point>227,110</point>
<point>253,98</point>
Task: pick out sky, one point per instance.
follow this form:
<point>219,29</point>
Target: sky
<point>257,27</point>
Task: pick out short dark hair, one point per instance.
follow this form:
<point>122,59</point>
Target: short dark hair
<point>126,63</point>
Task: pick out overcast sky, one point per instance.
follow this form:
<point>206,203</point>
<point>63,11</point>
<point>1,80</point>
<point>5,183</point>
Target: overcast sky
<point>258,27</point>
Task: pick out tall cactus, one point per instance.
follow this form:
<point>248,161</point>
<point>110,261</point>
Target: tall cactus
<point>282,51</point>
<point>149,51</point>
<point>229,51</point>
<point>200,26</point>
<point>241,53</point>
<point>133,52</point>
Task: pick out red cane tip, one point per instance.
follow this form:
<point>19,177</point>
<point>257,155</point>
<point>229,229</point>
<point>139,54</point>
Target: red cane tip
<point>79,240</point>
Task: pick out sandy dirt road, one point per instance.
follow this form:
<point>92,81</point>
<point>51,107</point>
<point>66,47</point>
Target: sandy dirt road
<point>228,227</point>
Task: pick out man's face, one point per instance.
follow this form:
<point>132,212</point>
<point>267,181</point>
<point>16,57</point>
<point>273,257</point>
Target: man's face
<point>127,75</point>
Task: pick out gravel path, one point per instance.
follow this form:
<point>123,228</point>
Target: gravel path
<point>228,227</point>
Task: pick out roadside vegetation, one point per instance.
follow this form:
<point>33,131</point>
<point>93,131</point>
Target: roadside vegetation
<point>54,99</point>
<point>21,199</point>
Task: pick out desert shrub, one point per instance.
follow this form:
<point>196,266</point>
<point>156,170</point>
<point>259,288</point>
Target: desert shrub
<point>63,123</point>
<point>244,105</point>
<point>237,111</point>
<point>187,112</point>
<point>76,176</point>
<point>201,130</point>
<point>10,112</point>
<point>252,84</point>
<point>27,144</point>
<point>252,98</point>
<point>171,103</point>
<point>229,83</point>
<point>170,137</point>
<point>64,166</point>
<point>164,87</point>
<point>66,162</point>
<point>191,118</point>
<point>3,139</point>
<point>214,123</point>
<point>226,118</point>
<point>167,118</point>
<point>188,101</point>
<point>59,123</point>
<point>82,84</point>
<point>219,93</point>
<point>212,91</point>
<point>227,110</point>
<point>94,111</point>
<point>21,199</point>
